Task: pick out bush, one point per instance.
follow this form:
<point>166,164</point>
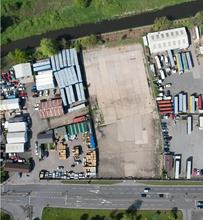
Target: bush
<point>64,43</point>
<point>77,46</point>
<point>82,3</point>
<point>11,55</point>
<point>89,41</point>
<point>21,56</point>
<point>26,5</point>
<point>162,24</point>
<point>49,46</point>
<point>11,7</point>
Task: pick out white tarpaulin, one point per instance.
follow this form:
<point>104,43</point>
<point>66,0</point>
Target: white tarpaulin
<point>16,137</point>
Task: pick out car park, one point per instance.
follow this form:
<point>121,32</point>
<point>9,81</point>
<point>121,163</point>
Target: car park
<point>168,93</point>
<point>199,207</point>
<point>195,171</point>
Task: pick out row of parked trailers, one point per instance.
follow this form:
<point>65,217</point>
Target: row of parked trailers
<point>180,103</point>
<point>184,61</point>
<point>165,106</point>
<point>42,66</point>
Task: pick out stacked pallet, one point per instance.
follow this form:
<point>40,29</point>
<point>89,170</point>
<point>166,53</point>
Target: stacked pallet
<point>62,151</point>
<point>91,162</point>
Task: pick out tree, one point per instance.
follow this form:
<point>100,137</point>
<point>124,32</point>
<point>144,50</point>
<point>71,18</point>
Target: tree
<point>89,41</point>
<point>197,20</point>
<point>11,55</point>
<point>64,43</point>
<point>162,24</point>
<point>82,3</point>
<point>21,56</point>
<point>49,46</point>
<point>3,175</point>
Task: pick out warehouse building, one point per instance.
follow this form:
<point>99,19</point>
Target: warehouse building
<point>16,137</point>
<point>9,104</point>
<point>17,167</point>
<point>44,80</point>
<point>51,108</point>
<point>22,70</point>
<point>15,148</point>
<point>45,138</point>
<point>168,40</point>
<point>16,127</point>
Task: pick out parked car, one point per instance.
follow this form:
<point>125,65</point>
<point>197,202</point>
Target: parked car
<point>57,95</point>
<point>54,91</point>
<point>198,172</point>
<point>168,93</point>
<point>199,202</point>
<point>43,100</point>
<point>23,94</point>
<point>46,153</point>
<point>47,92</point>
<point>199,207</point>
<point>36,108</point>
<point>41,93</point>
<point>195,171</point>
<point>168,85</point>
<point>19,175</point>
<point>21,88</point>
<point>36,148</point>
<point>28,120</point>
<point>60,167</point>
<point>143,195</point>
<point>147,189</point>
<point>161,195</point>
<point>21,161</point>
<point>201,172</point>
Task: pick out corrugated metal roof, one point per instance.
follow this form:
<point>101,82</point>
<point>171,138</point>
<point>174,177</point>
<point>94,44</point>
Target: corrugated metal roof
<point>77,128</point>
<point>53,64</point>
<point>22,70</point>
<point>41,63</point>
<point>8,104</point>
<point>16,137</point>
<point>17,167</point>
<point>15,148</point>
<point>18,126</point>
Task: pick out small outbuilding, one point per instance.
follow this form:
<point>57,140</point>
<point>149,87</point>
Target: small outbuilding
<point>168,162</point>
<point>22,70</point>
<point>45,138</point>
<point>9,104</point>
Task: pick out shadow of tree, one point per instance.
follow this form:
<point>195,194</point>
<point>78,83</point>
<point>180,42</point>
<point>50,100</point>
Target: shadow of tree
<point>84,216</point>
<point>174,211</point>
<point>97,217</point>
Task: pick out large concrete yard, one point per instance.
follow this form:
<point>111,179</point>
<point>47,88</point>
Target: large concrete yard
<point>118,84</point>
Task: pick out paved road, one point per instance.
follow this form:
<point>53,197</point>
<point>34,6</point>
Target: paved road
<point>102,197</point>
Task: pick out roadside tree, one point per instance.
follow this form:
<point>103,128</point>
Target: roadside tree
<point>49,46</point>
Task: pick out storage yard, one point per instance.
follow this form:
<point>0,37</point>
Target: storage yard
<point>177,70</point>
<point>120,96</point>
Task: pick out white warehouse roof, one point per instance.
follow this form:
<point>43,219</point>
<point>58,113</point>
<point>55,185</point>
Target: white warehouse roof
<point>18,126</point>
<point>16,137</point>
<point>22,70</point>
<point>168,40</point>
<point>44,80</point>
<point>8,104</point>
<point>15,148</point>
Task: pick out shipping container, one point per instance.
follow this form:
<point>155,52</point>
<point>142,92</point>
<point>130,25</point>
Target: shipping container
<point>64,58</point>
<point>192,104</point>
<point>78,92</point>
<point>200,101</point>
<point>189,61</point>
<point>179,62</point>
<point>82,91</point>
<point>177,169</point>
<point>184,103</point>
<point>175,105</point>
<point>158,63</point>
<point>80,119</point>
<point>180,102</point>
<point>189,124</point>
<point>189,169</point>
<point>53,64</point>
<point>171,58</point>
<point>164,101</point>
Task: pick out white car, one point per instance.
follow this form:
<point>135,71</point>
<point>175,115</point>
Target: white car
<point>47,92</point>
<point>21,88</point>
<point>41,93</point>
<point>198,172</point>
<point>168,85</point>
<point>147,190</point>
<point>162,57</point>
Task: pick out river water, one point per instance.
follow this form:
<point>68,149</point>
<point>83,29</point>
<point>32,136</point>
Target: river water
<point>180,11</point>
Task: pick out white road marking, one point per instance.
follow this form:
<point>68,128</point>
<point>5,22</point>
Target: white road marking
<point>171,189</point>
<point>121,204</point>
<point>84,203</point>
<point>94,199</point>
<point>152,205</point>
<point>91,203</point>
<point>199,189</point>
<point>112,188</point>
<point>115,193</point>
<point>81,188</point>
<point>136,192</point>
<point>160,204</point>
<point>74,188</point>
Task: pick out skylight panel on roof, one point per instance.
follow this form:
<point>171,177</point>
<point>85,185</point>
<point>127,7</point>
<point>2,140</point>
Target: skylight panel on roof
<point>167,35</point>
<point>177,33</point>
<point>172,34</point>
<point>174,42</point>
<point>179,42</point>
<point>162,35</point>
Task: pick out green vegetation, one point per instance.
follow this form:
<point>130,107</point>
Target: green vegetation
<point>3,175</point>
<point>162,24</point>
<point>49,46</point>
<point>169,183</point>
<point>89,41</point>
<point>25,18</point>
<point>124,42</point>
<point>5,216</point>
<point>101,182</point>
<point>20,56</point>
<point>82,3</point>
<point>50,213</point>
<point>51,145</point>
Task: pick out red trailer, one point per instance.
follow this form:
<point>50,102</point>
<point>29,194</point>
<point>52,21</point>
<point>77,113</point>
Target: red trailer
<point>165,109</point>
<point>164,101</point>
<point>165,105</point>
<point>166,112</point>
<point>200,101</point>
<point>76,120</point>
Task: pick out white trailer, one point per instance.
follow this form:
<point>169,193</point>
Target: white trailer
<point>189,169</point>
<point>189,124</point>
<point>158,62</point>
<point>197,32</point>
<point>177,169</point>
<point>162,74</point>
<point>201,122</point>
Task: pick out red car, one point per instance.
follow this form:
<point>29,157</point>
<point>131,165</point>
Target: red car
<point>195,171</point>
<point>23,94</point>
<point>3,75</point>
<point>57,95</point>
<point>172,116</point>
<point>8,74</point>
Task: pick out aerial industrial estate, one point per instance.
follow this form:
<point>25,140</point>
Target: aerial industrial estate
<point>130,112</point>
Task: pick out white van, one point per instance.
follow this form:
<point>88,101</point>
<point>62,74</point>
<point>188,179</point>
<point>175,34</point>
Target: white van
<point>21,161</point>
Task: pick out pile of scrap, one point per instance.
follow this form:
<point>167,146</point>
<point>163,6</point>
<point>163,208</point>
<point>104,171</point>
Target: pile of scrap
<point>90,163</point>
<point>76,152</point>
<point>62,151</point>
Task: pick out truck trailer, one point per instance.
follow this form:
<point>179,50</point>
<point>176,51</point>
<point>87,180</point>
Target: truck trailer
<point>171,58</point>
<point>177,169</point>
<point>175,105</point>
<point>162,74</point>
<point>192,104</point>
<point>158,63</point>
<point>184,103</point>
<point>200,101</point>
<point>189,124</point>
<point>201,122</point>
<point>189,61</point>
<point>179,62</point>
<point>180,102</point>
<point>189,169</point>
<point>184,60</point>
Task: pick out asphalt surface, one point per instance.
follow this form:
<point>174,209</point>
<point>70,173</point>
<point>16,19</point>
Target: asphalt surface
<point>102,197</point>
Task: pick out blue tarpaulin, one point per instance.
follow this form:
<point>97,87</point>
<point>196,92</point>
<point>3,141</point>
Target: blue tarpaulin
<point>92,141</point>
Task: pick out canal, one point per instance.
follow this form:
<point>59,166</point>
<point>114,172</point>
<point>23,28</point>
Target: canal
<point>180,11</point>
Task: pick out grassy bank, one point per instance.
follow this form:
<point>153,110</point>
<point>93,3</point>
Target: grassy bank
<point>169,183</point>
<point>91,214</point>
<point>91,182</point>
<point>24,18</point>
<point>5,216</point>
